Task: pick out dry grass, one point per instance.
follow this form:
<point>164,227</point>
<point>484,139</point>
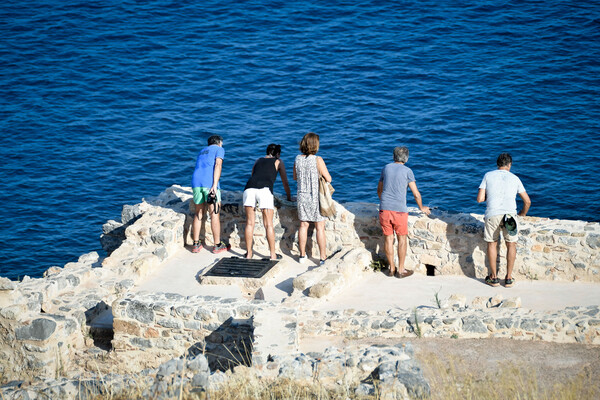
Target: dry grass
<point>452,376</point>
<point>246,389</point>
<point>281,389</point>
<point>450,379</point>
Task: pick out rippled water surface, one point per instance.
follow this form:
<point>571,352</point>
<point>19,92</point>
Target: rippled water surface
<point>103,103</point>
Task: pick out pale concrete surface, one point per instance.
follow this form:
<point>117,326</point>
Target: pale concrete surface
<point>376,292</point>
<point>179,274</point>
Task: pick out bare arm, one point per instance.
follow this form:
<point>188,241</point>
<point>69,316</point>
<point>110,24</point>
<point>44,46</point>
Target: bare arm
<point>526,203</point>
<point>417,195</point>
<point>322,168</point>
<point>379,189</point>
<point>217,174</point>
<point>284,179</point>
<point>481,196</point>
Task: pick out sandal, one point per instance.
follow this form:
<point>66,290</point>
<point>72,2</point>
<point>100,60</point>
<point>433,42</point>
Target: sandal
<point>404,274</point>
<point>387,272</point>
<point>509,282</point>
<point>492,281</point>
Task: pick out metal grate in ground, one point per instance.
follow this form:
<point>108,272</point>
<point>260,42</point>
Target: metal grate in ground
<point>235,267</point>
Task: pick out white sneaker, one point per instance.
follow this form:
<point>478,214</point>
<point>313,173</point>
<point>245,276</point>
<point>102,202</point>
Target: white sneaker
<point>302,260</point>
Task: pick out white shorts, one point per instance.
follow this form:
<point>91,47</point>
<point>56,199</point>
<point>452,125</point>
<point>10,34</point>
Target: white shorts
<point>263,197</point>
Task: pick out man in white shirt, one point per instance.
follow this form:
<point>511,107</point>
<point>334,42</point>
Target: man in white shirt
<point>499,189</point>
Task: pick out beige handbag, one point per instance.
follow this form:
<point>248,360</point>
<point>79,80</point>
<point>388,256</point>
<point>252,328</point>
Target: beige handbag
<point>326,205</point>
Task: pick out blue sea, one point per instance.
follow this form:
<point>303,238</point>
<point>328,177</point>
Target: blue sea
<point>103,103</point>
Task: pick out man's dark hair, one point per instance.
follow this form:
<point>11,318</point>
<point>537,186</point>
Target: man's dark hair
<point>504,160</point>
<point>274,150</point>
<point>215,139</point>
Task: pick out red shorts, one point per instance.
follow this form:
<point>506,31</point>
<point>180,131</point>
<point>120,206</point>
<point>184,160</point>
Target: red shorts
<point>393,221</point>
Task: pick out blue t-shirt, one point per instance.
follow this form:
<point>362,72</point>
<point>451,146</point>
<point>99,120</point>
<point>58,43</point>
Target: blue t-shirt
<point>205,166</point>
<point>395,178</point>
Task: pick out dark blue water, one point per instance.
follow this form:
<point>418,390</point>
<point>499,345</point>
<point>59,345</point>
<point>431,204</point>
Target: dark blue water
<point>103,103</point>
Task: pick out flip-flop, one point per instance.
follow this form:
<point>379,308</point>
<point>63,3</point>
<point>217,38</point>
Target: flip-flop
<point>277,257</point>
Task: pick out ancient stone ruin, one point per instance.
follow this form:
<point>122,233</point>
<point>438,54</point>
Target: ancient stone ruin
<point>86,318</point>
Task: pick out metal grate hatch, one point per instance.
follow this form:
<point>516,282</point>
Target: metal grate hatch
<point>235,267</point>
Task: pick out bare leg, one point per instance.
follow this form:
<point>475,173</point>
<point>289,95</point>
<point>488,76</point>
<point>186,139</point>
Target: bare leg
<point>492,253</point>
<point>249,231</point>
<point>197,222</point>
<point>321,239</point>
<point>268,223</point>
<point>511,256</point>
<point>389,252</point>
<point>215,224</point>
<point>302,236</point>
<point>402,244</point>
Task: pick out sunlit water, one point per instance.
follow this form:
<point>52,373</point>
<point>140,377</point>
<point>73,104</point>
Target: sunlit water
<point>103,104</point>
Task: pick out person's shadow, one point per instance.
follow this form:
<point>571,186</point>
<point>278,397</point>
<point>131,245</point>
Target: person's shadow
<point>286,229</point>
<point>368,229</point>
<point>464,235</point>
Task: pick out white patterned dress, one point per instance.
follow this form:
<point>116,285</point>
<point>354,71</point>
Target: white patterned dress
<point>307,177</point>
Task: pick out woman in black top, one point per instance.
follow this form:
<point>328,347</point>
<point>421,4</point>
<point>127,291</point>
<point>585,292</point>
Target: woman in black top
<point>259,190</point>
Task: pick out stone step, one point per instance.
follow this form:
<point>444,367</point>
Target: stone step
<point>275,334</point>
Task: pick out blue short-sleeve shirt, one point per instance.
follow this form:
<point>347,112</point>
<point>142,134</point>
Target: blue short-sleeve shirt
<point>395,178</point>
<point>205,166</point>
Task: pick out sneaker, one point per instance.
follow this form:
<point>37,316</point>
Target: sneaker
<point>221,247</point>
<point>322,262</point>
<point>509,282</point>
<point>492,282</point>
<point>197,247</point>
<point>302,259</point>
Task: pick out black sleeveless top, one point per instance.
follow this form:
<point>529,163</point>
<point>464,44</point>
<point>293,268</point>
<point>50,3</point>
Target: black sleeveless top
<point>264,174</point>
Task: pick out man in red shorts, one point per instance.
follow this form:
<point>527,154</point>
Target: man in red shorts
<point>393,213</point>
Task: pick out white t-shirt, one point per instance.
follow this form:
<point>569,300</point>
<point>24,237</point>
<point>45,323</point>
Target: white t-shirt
<point>501,189</point>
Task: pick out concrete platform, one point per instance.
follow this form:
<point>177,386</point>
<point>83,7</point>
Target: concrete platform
<point>375,292</point>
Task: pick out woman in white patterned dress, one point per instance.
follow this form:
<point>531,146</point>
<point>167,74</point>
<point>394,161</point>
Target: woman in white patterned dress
<point>308,167</point>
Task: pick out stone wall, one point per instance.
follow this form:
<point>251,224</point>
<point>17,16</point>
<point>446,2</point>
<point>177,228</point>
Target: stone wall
<point>45,322</point>
<point>450,242</point>
<point>503,320</point>
<point>152,328</point>
<point>453,243</point>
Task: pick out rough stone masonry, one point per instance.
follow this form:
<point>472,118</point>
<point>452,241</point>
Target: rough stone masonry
<point>45,324</point>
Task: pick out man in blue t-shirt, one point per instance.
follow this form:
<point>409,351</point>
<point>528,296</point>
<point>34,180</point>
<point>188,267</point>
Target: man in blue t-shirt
<point>498,189</point>
<point>393,213</point>
<point>205,185</point>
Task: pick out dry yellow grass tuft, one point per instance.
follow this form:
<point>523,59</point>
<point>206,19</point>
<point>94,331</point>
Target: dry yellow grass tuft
<point>450,379</point>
